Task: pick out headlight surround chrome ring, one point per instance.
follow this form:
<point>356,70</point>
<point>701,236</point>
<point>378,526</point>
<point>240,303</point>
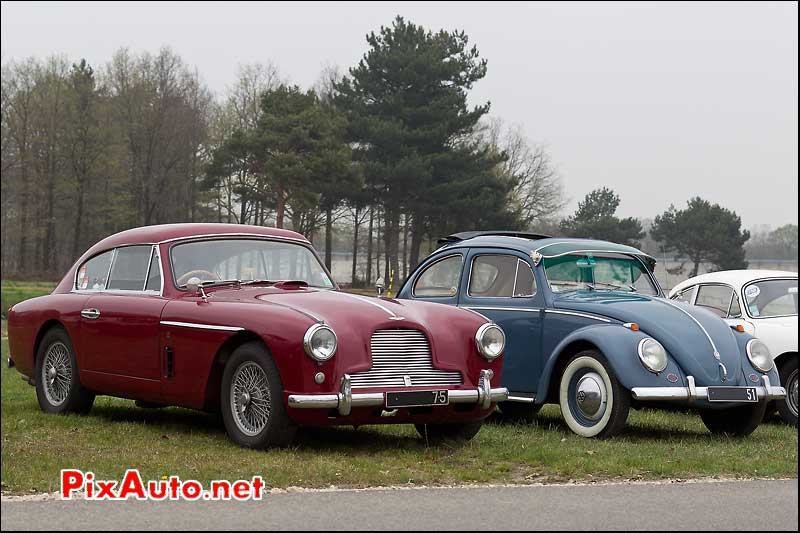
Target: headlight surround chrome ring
<point>317,342</point>
<point>759,355</point>
<point>652,355</point>
<point>490,341</point>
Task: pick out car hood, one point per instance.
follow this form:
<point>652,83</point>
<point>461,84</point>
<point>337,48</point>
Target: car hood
<point>690,334</point>
<point>355,318</point>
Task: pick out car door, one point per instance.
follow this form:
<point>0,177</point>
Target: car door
<point>120,324</point>
<point>501,285</point>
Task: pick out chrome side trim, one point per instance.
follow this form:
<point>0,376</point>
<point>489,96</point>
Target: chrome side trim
<point>574,313</point>
<point>488,308</point>
<point>475,312</point>
<point>692,393</point>
<point>200,326</point>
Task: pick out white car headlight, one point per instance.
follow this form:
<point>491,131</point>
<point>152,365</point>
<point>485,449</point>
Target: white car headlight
<point>759,355</point>
<point>320,342</point>
<point>652,355</point>
<point>491,341</point>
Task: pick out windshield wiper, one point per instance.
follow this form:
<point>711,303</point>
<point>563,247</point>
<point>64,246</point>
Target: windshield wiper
<point>259,281</point>
<point>217,282</point>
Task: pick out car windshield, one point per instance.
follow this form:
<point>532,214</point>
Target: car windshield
<point>609,272</point>
<point>770,298</point>
<point>247,260</point>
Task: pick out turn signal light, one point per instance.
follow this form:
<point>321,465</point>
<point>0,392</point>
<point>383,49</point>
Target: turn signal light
<point>633,326</point>
<point>739,328</point>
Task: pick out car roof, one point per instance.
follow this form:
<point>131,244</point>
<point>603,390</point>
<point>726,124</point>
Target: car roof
<point>547,246</point>
<point>734,278</point>
<point>168,232</point>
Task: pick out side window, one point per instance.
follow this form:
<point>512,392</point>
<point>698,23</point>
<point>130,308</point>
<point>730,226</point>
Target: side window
<point>93,273</point>
<point>525,285</point>
<point>715,298</point>
<point>736,309</point>
<point>500,276</point>
<point>685,295</point>
<point>154,274</point>
<point>130,268</point>
<point>440,279</point>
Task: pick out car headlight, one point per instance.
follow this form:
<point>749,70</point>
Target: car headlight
<point>759,355</point>
<point>491,341</point>
<point>652,355</point>
<point>320,342</point>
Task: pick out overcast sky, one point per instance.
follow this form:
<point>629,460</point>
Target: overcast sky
<point>660,102</point>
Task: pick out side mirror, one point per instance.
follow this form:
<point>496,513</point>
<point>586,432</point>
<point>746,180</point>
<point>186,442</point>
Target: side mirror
<point>193,285</point>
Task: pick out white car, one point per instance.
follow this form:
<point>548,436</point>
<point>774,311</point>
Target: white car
<point>764,302</point>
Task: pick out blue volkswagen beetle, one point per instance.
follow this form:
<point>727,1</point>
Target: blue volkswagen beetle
<point>588,327</point>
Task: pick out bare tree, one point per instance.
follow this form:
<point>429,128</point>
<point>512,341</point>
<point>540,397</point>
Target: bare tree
<point>538,188</point>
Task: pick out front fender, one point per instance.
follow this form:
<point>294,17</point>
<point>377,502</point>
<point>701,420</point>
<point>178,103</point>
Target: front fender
<point>747,367</point>
<point>618,345</point>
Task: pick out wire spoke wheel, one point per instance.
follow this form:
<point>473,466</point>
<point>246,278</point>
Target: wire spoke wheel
<point>57,373</point>
<point>250,399</point>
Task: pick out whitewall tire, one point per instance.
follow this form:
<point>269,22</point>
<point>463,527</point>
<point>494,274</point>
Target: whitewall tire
<point>592,401</point>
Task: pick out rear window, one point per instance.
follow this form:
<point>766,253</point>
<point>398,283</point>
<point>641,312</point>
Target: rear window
<point>440,279</point>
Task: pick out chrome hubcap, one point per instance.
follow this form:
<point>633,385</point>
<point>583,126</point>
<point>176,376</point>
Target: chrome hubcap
<point>590,396</point>
<point>250,398</point>
<point>791,392</point>
<point>56,373</point>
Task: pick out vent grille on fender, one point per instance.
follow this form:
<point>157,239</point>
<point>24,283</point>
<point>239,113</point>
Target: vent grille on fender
<point>401,353</point>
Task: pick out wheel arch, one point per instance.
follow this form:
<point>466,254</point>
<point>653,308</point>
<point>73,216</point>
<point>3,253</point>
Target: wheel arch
<point>557,364</point>
<point>783,358</point>
<point>43,329</point>
<point>616,343</point>
<point>213,381</point>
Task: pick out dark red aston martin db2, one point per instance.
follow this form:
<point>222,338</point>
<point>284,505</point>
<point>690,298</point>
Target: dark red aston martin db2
<point>248,321</point>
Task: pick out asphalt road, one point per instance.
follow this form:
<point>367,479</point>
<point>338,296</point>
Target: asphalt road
<point>753,505</point>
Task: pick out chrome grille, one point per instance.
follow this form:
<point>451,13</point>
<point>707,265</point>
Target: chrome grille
<point>398,354</point>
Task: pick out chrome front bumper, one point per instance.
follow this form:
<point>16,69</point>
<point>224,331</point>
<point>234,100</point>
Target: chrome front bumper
<point>345,400</point>
<point>692,393</point>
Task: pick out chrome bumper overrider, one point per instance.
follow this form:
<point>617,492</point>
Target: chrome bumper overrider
<point>345,400</point>
<point>693,393</point>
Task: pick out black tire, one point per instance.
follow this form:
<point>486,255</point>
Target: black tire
<point>263,402</point>
<point>737,421</point>
<point>58,385</point>
<point>523,412</point>
<point>608,418</point>
<point>448,434</point>
<point>788,408</point>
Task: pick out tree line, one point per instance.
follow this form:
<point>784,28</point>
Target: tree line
<point>387,156</point>
<point>389,151</point>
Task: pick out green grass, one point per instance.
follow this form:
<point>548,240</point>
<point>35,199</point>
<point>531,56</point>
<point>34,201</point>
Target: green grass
<point>117,435</point>
<point>12,292</point>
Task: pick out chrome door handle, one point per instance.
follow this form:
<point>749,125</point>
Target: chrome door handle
<point>90,314</point>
